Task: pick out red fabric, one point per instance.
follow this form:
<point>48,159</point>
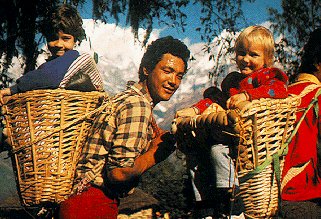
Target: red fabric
<point>203,104</point>
<point>302,149</point>
<point>263,83</point>
<point>92,203</point>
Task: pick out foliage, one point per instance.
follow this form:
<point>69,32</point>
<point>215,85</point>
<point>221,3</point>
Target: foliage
<point>218,16</point>
<point>19,26</point>
<point>297,20</point>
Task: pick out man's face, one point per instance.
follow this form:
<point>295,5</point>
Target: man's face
<point>62,44</point>
<point>165,78</point>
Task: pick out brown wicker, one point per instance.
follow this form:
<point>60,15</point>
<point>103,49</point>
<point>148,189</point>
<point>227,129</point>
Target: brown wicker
<point>263,127</point>
<point>46,129</point>
<point>266,124</point>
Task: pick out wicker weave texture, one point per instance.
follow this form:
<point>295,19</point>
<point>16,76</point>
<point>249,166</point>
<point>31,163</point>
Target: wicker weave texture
<point>265,124</point>
<point>47,129</point>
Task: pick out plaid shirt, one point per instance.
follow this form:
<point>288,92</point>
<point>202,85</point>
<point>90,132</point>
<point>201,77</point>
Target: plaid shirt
<point>116,138</point>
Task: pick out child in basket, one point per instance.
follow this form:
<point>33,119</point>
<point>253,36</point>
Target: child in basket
<point>254,49</point>
<point>66,68</point>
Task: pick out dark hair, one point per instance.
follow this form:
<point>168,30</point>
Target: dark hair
<point>216,95</point>
<point>311,53</point>
<point>63,18</point>
<point>157,49</point>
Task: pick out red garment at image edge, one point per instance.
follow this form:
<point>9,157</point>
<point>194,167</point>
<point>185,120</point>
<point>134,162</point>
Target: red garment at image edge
<point>92,203</point>
<point>302,154</point>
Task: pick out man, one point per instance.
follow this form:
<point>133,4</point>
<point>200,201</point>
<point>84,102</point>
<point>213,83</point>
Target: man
<point>126,142</point>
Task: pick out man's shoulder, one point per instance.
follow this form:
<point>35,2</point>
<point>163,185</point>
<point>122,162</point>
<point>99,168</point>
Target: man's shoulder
<point>130,97</point>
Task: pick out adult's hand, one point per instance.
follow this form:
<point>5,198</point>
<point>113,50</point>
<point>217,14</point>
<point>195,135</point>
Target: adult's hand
<point>163,146</point>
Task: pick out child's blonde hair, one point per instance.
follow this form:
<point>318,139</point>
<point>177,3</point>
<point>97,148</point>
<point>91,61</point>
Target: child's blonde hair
<point>258,34</point>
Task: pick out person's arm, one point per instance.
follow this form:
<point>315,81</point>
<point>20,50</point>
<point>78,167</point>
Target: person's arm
<point>161,147</point>
<point>130,155</point>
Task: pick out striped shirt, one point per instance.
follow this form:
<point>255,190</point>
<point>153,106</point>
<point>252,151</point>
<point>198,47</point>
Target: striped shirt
<point>119,135</point>
<point>86,64</point>
<point>58,72</point>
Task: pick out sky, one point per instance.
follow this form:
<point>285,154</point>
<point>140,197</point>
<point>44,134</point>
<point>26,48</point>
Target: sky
<point>255,13</point>
<point>119,54</point>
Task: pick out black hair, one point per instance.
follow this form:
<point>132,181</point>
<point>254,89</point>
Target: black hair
<point>157,49</point>
<point>311,53</point>
<point>63,18</point>
<point>216,95</point>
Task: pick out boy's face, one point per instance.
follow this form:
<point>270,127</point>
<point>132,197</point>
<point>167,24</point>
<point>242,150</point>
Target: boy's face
<point>61,44</point>
<point>250,57</point>
<point>165,78</point>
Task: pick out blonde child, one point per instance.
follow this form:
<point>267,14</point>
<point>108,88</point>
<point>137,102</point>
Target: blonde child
<point>254,50</point>
<point>254,53</point>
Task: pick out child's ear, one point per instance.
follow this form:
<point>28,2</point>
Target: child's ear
<point>145,71</point>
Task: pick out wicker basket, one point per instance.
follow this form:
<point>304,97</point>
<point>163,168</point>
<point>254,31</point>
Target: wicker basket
<point>263,126</point>
<point>46,129</point>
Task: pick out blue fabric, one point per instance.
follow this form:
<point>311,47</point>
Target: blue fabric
<point>47,76</point>
<point>211,171</point>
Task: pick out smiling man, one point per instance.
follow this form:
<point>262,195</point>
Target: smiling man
<point>124,144</point>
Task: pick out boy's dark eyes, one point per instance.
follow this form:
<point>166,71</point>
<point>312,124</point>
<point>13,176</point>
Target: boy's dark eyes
<point>66,38</point>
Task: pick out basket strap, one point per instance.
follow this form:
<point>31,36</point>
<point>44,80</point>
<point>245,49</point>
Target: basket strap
<point>284,148</point>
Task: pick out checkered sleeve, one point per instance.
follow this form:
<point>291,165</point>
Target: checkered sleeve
<point>132,135</point>
<point>116,139</point>
<point>93,155</point>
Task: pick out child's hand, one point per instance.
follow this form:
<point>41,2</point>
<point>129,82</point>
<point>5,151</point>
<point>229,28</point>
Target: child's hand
<point>234,100</point>
<point>187,112</point>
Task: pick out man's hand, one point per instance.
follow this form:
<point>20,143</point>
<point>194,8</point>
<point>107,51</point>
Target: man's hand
<point>234,100</point>
<point>163,146</point>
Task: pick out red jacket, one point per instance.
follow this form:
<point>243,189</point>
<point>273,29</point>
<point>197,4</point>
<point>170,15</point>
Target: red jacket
<point>263,83</point>
<point>305,184</point>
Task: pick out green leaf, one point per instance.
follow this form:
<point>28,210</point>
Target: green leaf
<point>96,57</point>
